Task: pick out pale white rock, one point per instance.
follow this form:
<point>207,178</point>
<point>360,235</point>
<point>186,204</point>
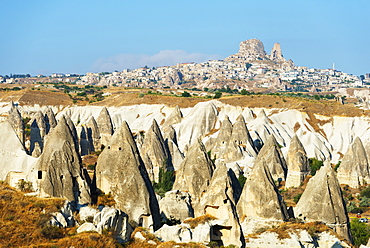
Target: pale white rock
<point>199,122</point>
<point>260,204</point>
<point>354,169</point>
<point>86,227</point>
<point>297,163</point>
<point>176,204</point>
<point>322,200</point>
<point>13,155</point>
<point>87,212</point>
<point>115,220</point>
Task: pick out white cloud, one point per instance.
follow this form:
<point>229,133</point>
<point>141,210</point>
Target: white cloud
<point>163,58</point>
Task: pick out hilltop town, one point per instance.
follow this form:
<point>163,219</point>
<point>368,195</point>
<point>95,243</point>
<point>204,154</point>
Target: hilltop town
<point>251,68</point>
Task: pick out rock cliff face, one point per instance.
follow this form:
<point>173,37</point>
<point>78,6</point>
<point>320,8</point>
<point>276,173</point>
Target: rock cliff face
<point>354,169</point>
<point>59,170</point>
<point>260,204</point>
<point>297,163</point>
<point>322,201</point>
<point>105,126</point>
<point>121,171</point>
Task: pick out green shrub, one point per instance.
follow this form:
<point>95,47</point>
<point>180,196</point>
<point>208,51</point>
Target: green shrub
<point>297,197</point>
<point>360,232</point>
<point>365,192</point>
<point>166,179</point>
<point>242,180</point>
<point>365,202</point>
<point>315,165</point>
<point>218,94</point>
<point>185,94</point>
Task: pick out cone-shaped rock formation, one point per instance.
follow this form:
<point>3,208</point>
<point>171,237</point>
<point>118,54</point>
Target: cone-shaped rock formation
<point>15,119</point>
<point>271,154</point>
<point>322,201</point>
<point>105,125</point>
<point>195,172</point>
<point>155,153</point>
<point>121,171</point>
<point>354,169</point>
<point>59,167</point>
<point>220,201</point>
<point>297,163</point>
<point>260,203</point>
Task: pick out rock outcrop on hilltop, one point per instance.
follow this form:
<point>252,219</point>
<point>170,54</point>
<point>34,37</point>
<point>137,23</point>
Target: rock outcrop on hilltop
<point>105,126</point>
<point>322,201</point>
<point>15,119</point>
<point>354,169</point>
<point>58,170</point>
<point>155,153</point>
<point>38,131</point>
<point>271,154</point>
<point>220,201</point>
<point>251,49</point>
<point>276,53</point>
<point>260,204</point>
<point>121,171</point>
<point>194,174</point>
<point>297,163</point>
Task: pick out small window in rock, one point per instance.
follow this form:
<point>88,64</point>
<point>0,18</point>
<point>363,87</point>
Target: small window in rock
<point>39,175</point>
<point>108,147</point>
<point>120,148</point>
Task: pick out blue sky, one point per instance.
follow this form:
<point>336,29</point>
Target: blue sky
<point>43,36</point>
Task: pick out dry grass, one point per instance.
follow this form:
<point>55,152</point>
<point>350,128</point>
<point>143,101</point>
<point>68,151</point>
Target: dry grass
<point>44,97</point>
<point>23,223</point>
<point>126,97</point>
<point>284,230</point>
<point>194,222</point>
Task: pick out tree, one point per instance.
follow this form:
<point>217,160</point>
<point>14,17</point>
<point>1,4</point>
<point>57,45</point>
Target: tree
<point>185,94</point>
<point>362,77</point>
<point>218,94</point>
<point>248,65</point>
<point>244,92</point>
